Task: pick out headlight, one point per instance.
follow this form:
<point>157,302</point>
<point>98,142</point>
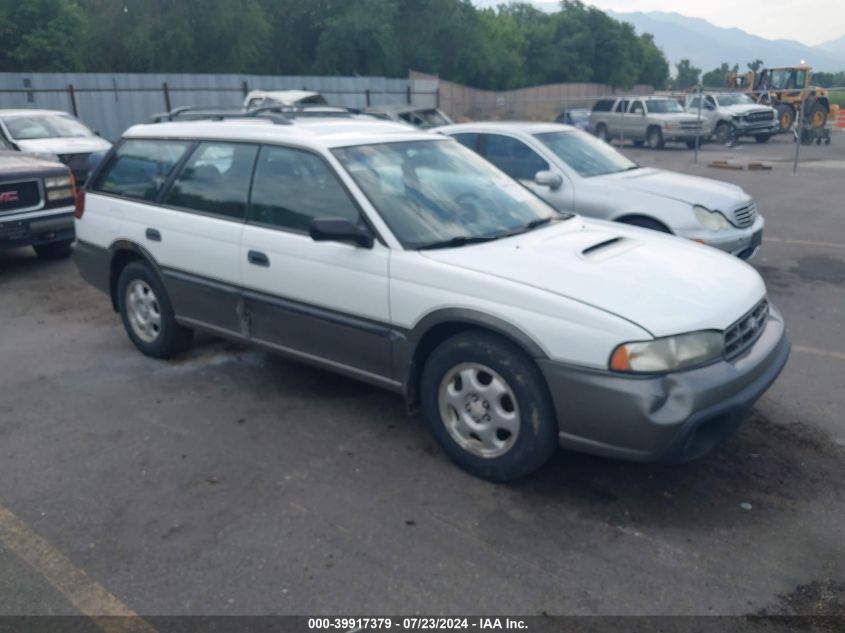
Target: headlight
<point>668,353</point>
<point>55,183</point>
<point>711,220</point>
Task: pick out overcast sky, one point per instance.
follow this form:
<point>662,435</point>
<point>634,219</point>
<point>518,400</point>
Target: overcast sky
<point>808,21</point>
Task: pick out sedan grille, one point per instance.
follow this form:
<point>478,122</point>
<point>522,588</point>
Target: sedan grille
<point>742,334</point>
<point>744,216</point>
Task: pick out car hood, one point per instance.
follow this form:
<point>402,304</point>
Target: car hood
<point>692,190</point>
<point>745,108</point>
<point>65,145</point>
<point>664,284</point>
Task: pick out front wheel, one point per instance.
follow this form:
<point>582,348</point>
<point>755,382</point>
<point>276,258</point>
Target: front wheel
<point>147,313</point>
<point>654,138</point>
<point>645,223</point>
<point>762,138</point>
<point>601,133</point>
<point>724,132</point>
<point>53,250</point>
<point>487,405</point>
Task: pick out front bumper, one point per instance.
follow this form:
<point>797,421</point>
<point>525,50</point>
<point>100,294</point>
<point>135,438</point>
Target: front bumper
<point>755,129</point>
<point>672,417</point>
<point>743,243</point>
<point>43,228</point>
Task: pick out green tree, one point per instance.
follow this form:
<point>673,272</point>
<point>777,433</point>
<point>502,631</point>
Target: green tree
<point>756,65</point>
<point>718,77</point>
<point>41,35</point>
<point>687,76</point>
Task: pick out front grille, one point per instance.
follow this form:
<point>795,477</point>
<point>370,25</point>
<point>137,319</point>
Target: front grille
<point>757,117</point>
<point>17,196</point>
<point>78,164</point>
<point>690,125</point>
<point>745,215</point>
<point>742,334</point>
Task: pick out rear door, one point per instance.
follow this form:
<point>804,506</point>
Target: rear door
<point>324,301</point>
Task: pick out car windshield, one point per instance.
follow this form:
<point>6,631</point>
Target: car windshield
<point>663,105</point>
<point>585,153</point>
<point>737,99</point>
<point>24,127</point>
<point>438,193</point>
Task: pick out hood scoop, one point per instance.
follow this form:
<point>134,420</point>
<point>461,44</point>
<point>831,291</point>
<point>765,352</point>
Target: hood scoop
<point>607,248</point>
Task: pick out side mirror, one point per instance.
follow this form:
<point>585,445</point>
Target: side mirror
<point>340,230</point>
<point>548,179</point>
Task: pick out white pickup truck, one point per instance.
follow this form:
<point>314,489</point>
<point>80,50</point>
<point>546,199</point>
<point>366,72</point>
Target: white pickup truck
<point>650,120</point>
<point>729,116</point>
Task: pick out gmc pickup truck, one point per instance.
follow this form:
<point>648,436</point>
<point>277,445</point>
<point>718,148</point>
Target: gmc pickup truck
<point>36,205</point>
<point>650,120</point>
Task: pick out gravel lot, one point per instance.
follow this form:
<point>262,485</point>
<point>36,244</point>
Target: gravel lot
<point>233,482</point>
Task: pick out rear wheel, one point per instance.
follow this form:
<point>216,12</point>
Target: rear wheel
<point>601,132</point>
<point>53,250</point>
<point>654,138</point>
<point>638,143</point>
<point>147,313</point>
<point>816,114</point>
<point>487,405</point>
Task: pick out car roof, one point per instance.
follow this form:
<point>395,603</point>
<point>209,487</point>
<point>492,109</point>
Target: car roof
<point>325,133</point>
<point>25,111</point>
<point>528,127</point>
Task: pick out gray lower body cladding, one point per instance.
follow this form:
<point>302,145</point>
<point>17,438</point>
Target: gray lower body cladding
<point>672,417</point>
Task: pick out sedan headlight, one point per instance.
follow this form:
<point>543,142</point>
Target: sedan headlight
<point>669,353</point>
<point>711,220</point>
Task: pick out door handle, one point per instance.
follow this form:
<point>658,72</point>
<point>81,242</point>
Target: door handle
<point>258,258</point>
<point>154,235</point>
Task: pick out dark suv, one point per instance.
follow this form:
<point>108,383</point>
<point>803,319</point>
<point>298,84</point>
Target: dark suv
<point>36,204</point>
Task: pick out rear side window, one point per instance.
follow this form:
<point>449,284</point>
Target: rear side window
<point>293,187</point>
<point>215,180</point>
<point>604,105</point>
<point>468,139</point>
<point>513,157</point>
<point>140,167</point>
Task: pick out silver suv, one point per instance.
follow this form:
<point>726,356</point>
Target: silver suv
<point>731,115</point>
<point>650,120</point>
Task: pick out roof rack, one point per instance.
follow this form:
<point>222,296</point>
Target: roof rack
<point>187,113</point>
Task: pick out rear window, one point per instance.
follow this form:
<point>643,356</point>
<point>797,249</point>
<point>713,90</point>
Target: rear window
<point>140,167</point>
<point>603,105</point>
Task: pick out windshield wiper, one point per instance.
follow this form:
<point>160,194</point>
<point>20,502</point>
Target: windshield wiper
<point>461,240</point>
<point>533,224</point>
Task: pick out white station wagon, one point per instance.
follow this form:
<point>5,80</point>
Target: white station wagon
<point>404,259</point>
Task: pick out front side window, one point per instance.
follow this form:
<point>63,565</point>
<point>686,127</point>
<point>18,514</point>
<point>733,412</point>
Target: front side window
<point>622,106</point>
<point>513,157</point>
<point>585,153</point>
<point>293,187</point>
<point>637,108</point>
<point>140,167</point>
<point>25,127</point>
<point>215,180</point>
<point>467,139</point>
<point>433,192</point>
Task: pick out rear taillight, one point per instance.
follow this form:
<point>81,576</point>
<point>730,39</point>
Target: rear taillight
<point>80,204</point>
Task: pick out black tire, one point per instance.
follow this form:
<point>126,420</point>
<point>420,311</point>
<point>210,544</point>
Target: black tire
<point>654,138</point>
<point>601,132</point>
<point>815,114</point>
<point>638,143</point>
<point>786,117</point>
<point>762,138</point>
<point>724,132</point>
<point>533,443</point>
<point>53,250</point>
<point>171,338</point>
<point>691,144</point>
<point>645,223</point>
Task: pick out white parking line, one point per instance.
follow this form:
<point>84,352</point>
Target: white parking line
<point>92,600</point>
<point>818,352</point>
